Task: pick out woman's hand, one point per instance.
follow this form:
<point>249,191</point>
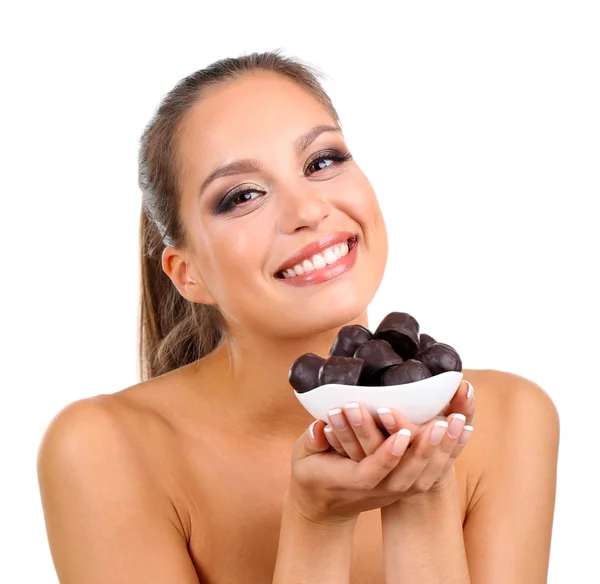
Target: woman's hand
<point>434,446</point>
<point>370,470</point>
<point>327,488</point>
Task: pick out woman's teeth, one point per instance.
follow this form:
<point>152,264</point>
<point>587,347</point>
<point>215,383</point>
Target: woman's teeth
<point>318,261</point>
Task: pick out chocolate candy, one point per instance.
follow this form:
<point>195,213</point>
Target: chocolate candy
<point>395,354</point>
<point>377,354</point>
<point>401,331</point>
<point>375,379</point>
<point>348,339</point>
<point>304,372</point>
<point>439,358</point>
<point>407,372</point>
<point>425,341</point>
<point>343,370</point>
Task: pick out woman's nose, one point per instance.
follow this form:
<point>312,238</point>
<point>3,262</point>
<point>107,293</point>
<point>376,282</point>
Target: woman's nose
<point>304,207</point>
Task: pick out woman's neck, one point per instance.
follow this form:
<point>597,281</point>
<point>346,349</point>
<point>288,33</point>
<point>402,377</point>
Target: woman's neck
<point>249,379</point>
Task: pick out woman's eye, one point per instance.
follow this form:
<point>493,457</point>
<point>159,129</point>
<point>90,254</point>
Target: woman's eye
<point>325,160</point>
<point>238,199</point>
<point>321,164</point>
<point>243,197</point>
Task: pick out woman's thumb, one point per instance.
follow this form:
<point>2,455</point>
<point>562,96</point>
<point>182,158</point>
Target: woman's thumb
<point>312,441</point>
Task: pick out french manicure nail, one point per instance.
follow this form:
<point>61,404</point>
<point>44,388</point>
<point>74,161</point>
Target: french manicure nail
<point>466,433</point>
<point>469,391</point>
<point>310,429</point>
<point>402,438</point>
<point>337,419</point>
<point>438,432</point>
<point>353,414</point>
<point>386,417</point>
<point>456,425</point>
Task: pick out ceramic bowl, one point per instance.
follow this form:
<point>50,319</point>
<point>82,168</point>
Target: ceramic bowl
<point>418,401</point>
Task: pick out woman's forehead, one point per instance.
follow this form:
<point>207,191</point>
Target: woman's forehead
<point>241,114</point>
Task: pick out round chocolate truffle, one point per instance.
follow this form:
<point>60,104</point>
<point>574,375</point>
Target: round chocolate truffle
<point>439,358</point>
<point>304,372</point>
<point>401,331</point>
<point>348,339</point>
<point>342,370</point>
<point>377,354</point>
<point>425,341</point>
<point>407,372</point>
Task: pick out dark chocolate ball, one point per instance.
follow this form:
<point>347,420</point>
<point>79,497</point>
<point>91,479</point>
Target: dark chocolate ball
<point>401,331</point>
<point>348,339</point>
<point>342,370</point>
<point>439,358</point>
<point>425,341</point>
<point>375,379</point>
<point>407,372</point>
<point>304,372</point>
<point>377,354</point>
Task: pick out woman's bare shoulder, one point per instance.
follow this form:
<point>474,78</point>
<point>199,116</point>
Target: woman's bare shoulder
<point>511,470</point>
<point>103,471</point>
<point>512,414</point>
<point>501,396</point>
<point>125,422</point>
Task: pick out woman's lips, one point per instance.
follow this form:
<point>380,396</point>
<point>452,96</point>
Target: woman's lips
<point>337,268</point>
<point>314,248</point>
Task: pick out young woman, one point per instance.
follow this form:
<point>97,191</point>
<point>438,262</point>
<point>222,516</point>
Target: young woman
<point>210,470</point>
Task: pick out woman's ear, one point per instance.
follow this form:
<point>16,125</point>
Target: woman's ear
<point>189,284</point>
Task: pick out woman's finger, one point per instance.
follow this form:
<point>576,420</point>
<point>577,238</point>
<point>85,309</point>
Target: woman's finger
<point>366,431</point>
<point>333,441</point>
<point>393,420</point>
<point>460,446</point>
<point>311,441</point>
<point>441,461</point>
<point>462,402</point>
<point>421,451</point>
<point>345,434</point>
<point>374,469</point>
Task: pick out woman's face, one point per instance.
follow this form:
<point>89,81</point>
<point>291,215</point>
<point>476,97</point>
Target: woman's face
<point>243,226</point>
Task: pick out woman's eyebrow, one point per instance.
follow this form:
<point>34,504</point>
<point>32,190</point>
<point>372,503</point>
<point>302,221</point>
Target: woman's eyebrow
<point>252,165</point>
<point>306,139</point>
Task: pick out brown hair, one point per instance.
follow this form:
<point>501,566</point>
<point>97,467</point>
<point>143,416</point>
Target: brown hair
<point>173,331</point>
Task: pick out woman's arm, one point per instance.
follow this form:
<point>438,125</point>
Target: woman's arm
<point>106,523</point>
<point>423,539</point>
<point>507,530</point>
<point>509,526</point>
<point>312,553</point>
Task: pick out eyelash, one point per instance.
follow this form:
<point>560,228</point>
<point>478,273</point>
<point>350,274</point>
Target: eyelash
<point>227,203</point>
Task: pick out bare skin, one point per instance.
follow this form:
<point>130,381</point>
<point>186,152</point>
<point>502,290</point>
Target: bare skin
<point>213,487</point>
<point>182,479</point>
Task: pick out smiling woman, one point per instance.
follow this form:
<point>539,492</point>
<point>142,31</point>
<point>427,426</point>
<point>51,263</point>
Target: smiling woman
<point>260,238</point>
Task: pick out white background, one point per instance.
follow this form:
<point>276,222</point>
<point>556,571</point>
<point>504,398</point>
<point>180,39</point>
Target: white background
<point>477,122</point>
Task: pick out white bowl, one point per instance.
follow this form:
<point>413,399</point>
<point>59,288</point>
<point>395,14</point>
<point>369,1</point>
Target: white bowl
<point>418,401</point>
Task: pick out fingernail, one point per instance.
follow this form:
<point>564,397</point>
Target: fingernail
<point>469,391</point>
<point>387,418</point>
<point>438,432</point>
<point>310,429</point>
<point>464,437</point>
<point>456,425</point>
<point>402,438</point>
<point>353,414</point>
<point>337,419</point>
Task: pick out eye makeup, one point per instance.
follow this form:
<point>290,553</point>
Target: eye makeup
<point>230,200</point>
